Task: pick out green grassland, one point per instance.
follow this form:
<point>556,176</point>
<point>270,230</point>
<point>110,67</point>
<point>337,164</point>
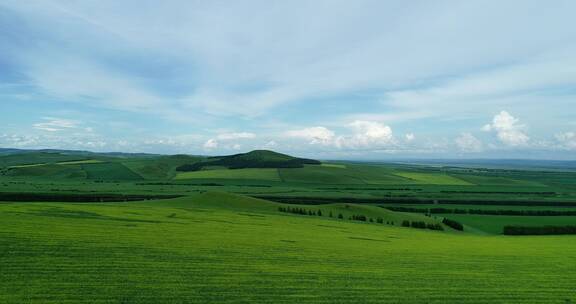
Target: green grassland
<point>223,248</point>
<point>495,224</point>
<point>253,174</point>
<point>218,243</point>
<point>34,158</point>
<point>80,162</point>
<point>109,171</point>
<point>436,179</point>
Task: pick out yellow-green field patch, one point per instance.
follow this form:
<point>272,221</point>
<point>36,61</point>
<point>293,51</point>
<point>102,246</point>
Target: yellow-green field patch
<point>341,166</point>
<point>434,179</point>
<point>80,162</point>
<point>259,174</point>
<point>28,166</point>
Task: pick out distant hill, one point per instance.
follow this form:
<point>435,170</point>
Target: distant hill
<point>254,159</point>
<point>6,151</point>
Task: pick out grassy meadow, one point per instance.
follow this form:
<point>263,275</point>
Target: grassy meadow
<point>278,230</point>
<point>221,248</point>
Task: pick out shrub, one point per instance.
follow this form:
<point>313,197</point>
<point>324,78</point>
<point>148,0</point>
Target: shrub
<point>453,224</point>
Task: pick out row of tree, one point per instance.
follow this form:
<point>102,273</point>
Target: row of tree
<point>301,211</point>
<point>409,199</point>
<point>362,218</point>
<point>544,230</point>
<point>453,224</point>
<point>485,212</point>
<point>422,225</point>
<point>355,217</point>
<point>78,198</point>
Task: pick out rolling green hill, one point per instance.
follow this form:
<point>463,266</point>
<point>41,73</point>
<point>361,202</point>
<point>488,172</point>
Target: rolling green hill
<point>254,159</point>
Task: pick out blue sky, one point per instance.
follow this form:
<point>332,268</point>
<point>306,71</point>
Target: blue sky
<point>327,79</point>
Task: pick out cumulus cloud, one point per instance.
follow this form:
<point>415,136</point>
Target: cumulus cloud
<point>315,135</point>
<point>410,137</point>
<point>467,142</point>
<point>367,134</point>
<point>210,144</point>
<point>362,135</point>
<point>372,130</point>
<point>567,140</point>
<point>507,129</point>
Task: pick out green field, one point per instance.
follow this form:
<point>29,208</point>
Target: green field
<point>218,248</point>
<point>80,162</point>
<point>495,224</point>
<point>218,243</point>
<point>109,171</point>
<point>254,174</point>
<point>436,179</point>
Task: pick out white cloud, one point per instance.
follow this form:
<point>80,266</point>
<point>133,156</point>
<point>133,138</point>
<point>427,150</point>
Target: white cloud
<point>316,135</point>
<point>19,141</point>
<point>410,137</point>
<point>567,140</point>
<point>185,140</point>
<point>241,135</point>
<point>367,134</point>
<point>507,129</point>
<point>372,130</point>
<point>363,135</point>
<point>467,142</point>
<point>211,144</point>
<point>54,140</point>
<point>57,124</point>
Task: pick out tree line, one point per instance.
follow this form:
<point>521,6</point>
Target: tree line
<point>78,198</point>
<point>362,218</point>
<point>485,212</point>
<point>318,212</point>
<point>422,225</point>
<point>403,199</point>
<point>453,224</point>
<point>543,230</point>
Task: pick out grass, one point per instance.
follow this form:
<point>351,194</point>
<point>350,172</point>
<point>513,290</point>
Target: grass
<point>495,180</point>
<point>318,175</point>
<point>109,171</point>
<point>80,162</point>
<point>495,224</point>
<point>48,171</point>
<point>341,166</point>
<point>27,166</point>
<point>32,158</point>
<point>218,248</point>
<point>268,174</point>
<point>435,178</point>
